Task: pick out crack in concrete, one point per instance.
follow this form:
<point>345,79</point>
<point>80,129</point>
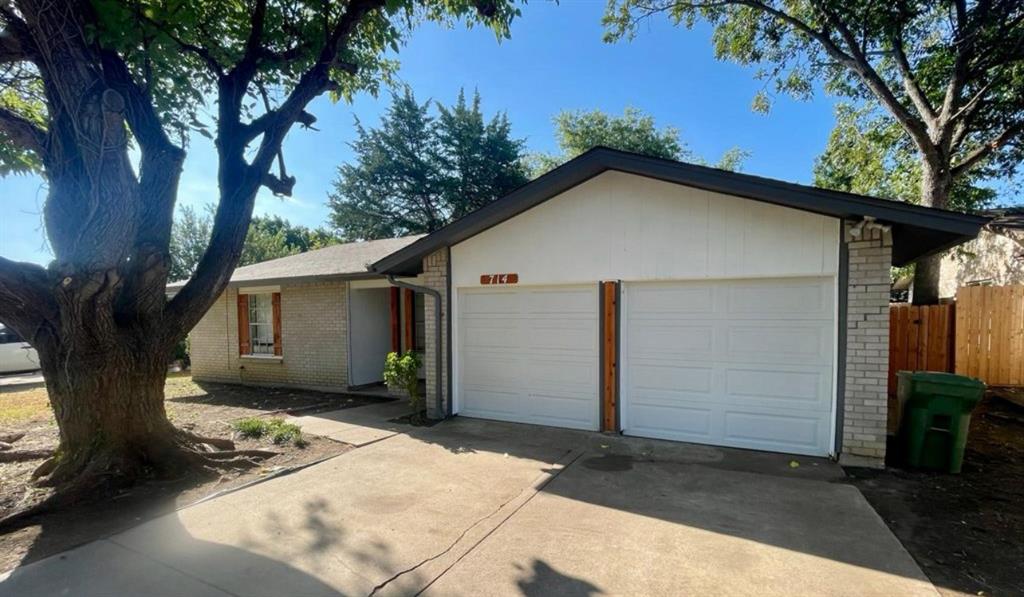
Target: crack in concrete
<point>536,487</point>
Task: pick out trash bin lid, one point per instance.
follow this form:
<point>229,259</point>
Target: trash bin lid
<point>939,377</point>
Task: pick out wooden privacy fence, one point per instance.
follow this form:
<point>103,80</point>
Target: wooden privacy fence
<point>990,334</point>
<point>920,339</point>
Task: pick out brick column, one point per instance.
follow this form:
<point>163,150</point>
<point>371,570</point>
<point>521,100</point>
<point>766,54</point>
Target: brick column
<point>865,407</point>
<point>435,275</point>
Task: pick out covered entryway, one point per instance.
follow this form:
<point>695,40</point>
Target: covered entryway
<point>742,363</point>
<point>529,354</point>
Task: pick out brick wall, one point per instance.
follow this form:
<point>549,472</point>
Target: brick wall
<point>314,341</point>
<point>867,349</point>
<point>435,275</point>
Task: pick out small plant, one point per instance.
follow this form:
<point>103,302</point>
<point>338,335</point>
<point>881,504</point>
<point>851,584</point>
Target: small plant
<point>277,430</point>
<point>402,373</point>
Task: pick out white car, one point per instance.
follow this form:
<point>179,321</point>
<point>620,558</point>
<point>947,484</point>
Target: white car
<point>15,353</point>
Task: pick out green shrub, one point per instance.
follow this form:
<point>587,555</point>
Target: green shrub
<point>402,372</point>
<point>277,430</point>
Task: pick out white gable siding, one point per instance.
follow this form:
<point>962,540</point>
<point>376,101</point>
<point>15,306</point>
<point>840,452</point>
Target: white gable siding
<point>623,226</point>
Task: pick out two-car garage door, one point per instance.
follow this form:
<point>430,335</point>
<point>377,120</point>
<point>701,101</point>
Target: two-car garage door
<point>737,363</point>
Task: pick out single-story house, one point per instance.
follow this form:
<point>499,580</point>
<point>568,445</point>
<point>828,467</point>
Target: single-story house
<point>316,320</point>
<point>995,258</point>
<point>626,294</point>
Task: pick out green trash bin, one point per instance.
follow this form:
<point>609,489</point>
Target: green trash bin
<point>936,414</point>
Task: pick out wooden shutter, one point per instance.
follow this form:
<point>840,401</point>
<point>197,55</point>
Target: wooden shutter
<point>410,320</point>
<point>244,346</point>
<point>275,301</point>
<point>396,309</point>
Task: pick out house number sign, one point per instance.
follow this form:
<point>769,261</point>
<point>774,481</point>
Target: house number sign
<point>499,279</point>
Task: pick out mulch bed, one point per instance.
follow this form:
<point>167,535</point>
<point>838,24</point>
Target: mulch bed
<point>966,531</point>
<point>206,409</point>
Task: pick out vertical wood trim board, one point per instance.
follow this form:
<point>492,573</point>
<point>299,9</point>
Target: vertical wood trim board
<point>396,308</point>
<point>609,356</point>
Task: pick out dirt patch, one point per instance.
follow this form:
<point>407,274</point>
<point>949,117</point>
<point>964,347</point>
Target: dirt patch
<point>204,408</point>
<point>966,530</point>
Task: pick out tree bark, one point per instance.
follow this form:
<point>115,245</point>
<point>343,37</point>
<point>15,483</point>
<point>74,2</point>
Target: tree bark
<point>935,185</point>
<point>109,406</point>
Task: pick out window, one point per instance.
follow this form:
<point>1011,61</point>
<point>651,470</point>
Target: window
<point>259,324</point>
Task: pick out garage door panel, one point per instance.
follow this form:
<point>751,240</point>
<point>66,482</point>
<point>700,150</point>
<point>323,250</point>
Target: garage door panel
<point>543,368</point>
<point>559,303</point>
<point>490,402</point>
<point>561,337</point>
<point>563,373</point>
<point>494,335</point>
<point>779,344</point>
<point>655,339</point>
<point>671,380</point>
<point>494,369</point>
<point>783,389</point>
<point>488,304</point>
<point>792,433</point>
<point>790,300</point>
<point>678,422</point>
<point>755,371</point>
<point>661,302</point>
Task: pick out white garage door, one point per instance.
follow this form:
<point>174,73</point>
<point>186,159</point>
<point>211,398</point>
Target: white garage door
<point>529,355</point>
<point>739,363</point>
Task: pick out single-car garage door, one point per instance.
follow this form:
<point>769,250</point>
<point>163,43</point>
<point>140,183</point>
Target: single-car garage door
<point>529,355</point>
<point>734,363</point>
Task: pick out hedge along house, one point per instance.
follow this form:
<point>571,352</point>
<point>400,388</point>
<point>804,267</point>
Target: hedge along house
<point>316,320</point>
<point>665,300</point>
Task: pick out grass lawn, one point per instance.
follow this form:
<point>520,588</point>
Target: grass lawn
<point>207,409</point>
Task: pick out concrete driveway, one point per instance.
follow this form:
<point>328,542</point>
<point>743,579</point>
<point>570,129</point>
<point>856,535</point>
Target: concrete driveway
<point>481,508</point>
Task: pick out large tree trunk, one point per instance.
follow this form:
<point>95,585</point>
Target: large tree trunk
<point>109,406</point>
<point>935,185</point>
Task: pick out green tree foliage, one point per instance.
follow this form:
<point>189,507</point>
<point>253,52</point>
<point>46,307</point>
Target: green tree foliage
<point>190,236</point>
<point>949,74</point>
<point>269,237</point>
<point>579,131</point>
<point>416,171</point>
<point>868,153</point>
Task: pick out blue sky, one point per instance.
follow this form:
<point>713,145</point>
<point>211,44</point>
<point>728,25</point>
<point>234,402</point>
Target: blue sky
<point>555,60</point>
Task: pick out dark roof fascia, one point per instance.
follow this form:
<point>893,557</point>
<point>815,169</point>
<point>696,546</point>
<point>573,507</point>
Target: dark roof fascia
<point>957,227</point>
<point>368,275</point>
<point>304,279</point>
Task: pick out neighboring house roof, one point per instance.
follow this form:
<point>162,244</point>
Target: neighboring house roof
<point>349,260</point>
<point>917,231</point>
<point>1006,217</point>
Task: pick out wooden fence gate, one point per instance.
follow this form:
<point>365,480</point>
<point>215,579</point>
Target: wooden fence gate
<point>990,334</point>
<point>920,339</point>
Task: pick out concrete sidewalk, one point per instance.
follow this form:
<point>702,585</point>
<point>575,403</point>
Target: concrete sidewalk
<point>481,508</point>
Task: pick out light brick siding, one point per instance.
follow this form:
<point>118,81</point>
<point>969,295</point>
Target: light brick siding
<point>435,275</point>
<point>314,341</point>
<point>867,349</point>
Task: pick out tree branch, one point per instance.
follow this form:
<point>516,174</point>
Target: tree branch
<point>985,150</point>
<point>240,181</point>
<point>910,85</point>
<point>874,82</point>
<point>23,132</point>
<point>202,53</point>
<point>26,303</point>
<point>279,185</point>
<point>12,49</point>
